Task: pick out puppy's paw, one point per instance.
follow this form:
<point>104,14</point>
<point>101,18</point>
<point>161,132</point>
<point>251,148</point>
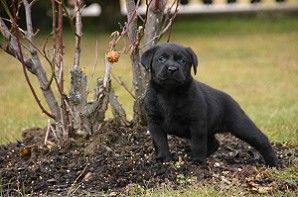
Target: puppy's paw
<point>199,161</point>
<point>162,158</point>
<point>273,163</point>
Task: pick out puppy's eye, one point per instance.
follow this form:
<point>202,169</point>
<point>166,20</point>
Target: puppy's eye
<point>161,59</point>
<point>181,61</point>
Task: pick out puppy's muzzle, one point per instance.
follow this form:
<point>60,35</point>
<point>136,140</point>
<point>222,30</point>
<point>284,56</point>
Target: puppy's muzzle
<point>172,69</point>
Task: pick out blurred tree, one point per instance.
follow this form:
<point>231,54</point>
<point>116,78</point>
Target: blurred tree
<point>110,15</point>
<point>41,15</point>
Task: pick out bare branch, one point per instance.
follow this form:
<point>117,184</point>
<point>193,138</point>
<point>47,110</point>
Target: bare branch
<point>4,4</point>
<point>78,33</point>
<point>131,16</point>
<point>24,67</point>
<point>155,12</point>
<point>33,2</point>
<point>12,47</point>
<point>172,19</point>
<point>117,109</point>
<point>132,8</point>
<point>94,66</point>
<point>121,82</point>
<point>108,70</point>
<point>47,134</point>
<point>30,34</point>
<point>60,49</point>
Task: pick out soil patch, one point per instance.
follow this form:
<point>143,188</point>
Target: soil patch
<point>120,161</point>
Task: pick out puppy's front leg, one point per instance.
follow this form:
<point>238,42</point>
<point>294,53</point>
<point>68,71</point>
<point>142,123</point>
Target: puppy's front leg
<point>199,143</point>
<point>160,142</point>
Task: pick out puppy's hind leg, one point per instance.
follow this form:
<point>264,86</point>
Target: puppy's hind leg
<point>240,125</point>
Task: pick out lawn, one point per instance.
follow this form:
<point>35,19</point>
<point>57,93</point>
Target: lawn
<point>254,59</point>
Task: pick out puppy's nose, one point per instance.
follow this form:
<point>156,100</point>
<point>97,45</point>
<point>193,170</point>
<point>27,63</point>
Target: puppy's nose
<point>172,69</point>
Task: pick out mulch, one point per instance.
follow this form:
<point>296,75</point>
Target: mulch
<point>120,161</point>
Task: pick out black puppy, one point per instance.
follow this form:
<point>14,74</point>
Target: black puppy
<point>177,104</point>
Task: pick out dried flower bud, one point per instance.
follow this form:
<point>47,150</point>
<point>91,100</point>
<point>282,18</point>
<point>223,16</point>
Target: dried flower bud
<point>112,56</point>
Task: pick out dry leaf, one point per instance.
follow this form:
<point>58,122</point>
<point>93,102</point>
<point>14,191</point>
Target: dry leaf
<point>26,151</point>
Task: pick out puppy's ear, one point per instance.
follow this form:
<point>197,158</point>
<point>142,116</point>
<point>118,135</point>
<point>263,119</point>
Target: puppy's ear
<point>193,58</point>
<point>147,57</point>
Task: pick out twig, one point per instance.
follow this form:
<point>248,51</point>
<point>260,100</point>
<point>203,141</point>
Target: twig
<point>117,109</point>
<point>62,3</point>
<point>4,4</point>
<point>69,108</point>
<point>131,18</point>
<point>54,133</point>
<point>72,191</point>
<point>119,80</point>
<point>33,2</point>
<point>54,28</point>
<point>146,18</point>
<point>30,34</point>
<point>83,171</point>
<point>94,66</point>
<point>47,133</point>
<point>172,19</point>
<point>51,63</point>
<point>50,143</point>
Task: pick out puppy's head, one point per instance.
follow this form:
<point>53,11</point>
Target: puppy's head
<point>170,64</point>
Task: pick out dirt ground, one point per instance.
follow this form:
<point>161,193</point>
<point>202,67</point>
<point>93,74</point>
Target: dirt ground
<point>120,161</point>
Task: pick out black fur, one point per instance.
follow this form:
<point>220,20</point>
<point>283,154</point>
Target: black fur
<point>177,104</point>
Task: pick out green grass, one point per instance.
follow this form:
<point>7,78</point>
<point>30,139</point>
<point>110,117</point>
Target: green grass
<point>254,60</point>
